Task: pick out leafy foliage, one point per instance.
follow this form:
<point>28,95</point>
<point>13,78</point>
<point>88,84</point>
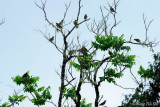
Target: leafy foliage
<point>109,42</point>
<point>150,93</point>
<point>40,95</point>
<point>12,100</point>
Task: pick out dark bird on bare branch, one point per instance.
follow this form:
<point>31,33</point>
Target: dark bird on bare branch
<point>60,24</point>
<point>85,17</point>
<point>137,40</point>
<point>103,103</point>
<point>112,10</point>
<point>51,39</point>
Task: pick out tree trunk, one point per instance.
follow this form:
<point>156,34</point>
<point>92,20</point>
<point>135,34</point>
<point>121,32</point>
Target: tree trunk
<point>62,81</point>
<point>97,95</point>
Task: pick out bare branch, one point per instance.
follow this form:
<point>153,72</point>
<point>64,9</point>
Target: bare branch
<point>134,77</point>
<point>146,26</point>
<point>124,87</point>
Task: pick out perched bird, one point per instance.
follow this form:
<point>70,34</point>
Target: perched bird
<point>60,24</point>
<point>71,52</point>
<point>83,50</point>
<point>137,40</point>
<point>103,103</point>
<point>137,90</point>
<point>110,53</point>
<point>75,23</point>
<point>25,75</point>
<point>112,10</point>
<point>51,39</point>
<point>85,17</point>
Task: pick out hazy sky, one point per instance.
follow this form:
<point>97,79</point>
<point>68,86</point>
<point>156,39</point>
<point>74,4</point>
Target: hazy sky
<point>23,48</point>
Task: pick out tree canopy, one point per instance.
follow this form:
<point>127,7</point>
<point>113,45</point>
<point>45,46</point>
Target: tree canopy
<point>82,59</point>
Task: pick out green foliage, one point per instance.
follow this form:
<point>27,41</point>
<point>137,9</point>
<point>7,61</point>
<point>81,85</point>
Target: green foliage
<point>83,103</point>
<point>70,93</point>
<point>109,75</point>
<point>75,65</point>
<point>121,60</point>
<point>16,99</point>
<point>85,63</point>
<point>115,43</point>
<point>12,100</point>
<point>145,73</point>
<point>5,105</point>
<point>40,95</point>
<point>42,98</point>
<point>30,83</point>
<point>109,42</point>
<point>150,93</point>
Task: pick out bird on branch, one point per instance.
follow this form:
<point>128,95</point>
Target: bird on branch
<point>112,9</point>
<point>137,40</point>
<point>71,52</point>
<point>51,39</point>
<point>83,50</point>
<point>85,17</point>
<point>60,24</point>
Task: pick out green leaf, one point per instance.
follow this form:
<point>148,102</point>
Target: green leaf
<point>118,75</point>
<point>101,78</point>
<point>41,89</point>
<point>111,80</point>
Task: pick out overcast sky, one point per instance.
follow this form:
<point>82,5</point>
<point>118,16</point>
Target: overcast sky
<point>22,48</point>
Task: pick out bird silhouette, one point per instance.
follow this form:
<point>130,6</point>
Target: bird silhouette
<point>60,24</point>
<point>85,17</point>
<point>71,52</point>
<point>137,40</point>
<point>111,9</point>
<point>103,103</point>
<point>110,53</point>
<point>51,39</point>
<point>25,75</point>
<point>83,50</point>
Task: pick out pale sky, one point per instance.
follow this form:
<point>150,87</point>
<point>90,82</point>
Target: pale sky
<point>23,48</point>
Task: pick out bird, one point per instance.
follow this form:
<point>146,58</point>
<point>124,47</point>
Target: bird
<point>76,23</point>
<point>137,40</point>
<point>111,9</point>
<point>59,25</point>
<point>103,103</point>
<point>71,52</point>
<point>25,75</point>
<point>51,39</point>
<point>110,53</point>
<point>85,17</point>
<point>83,50</point>
<point>137,90</point>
